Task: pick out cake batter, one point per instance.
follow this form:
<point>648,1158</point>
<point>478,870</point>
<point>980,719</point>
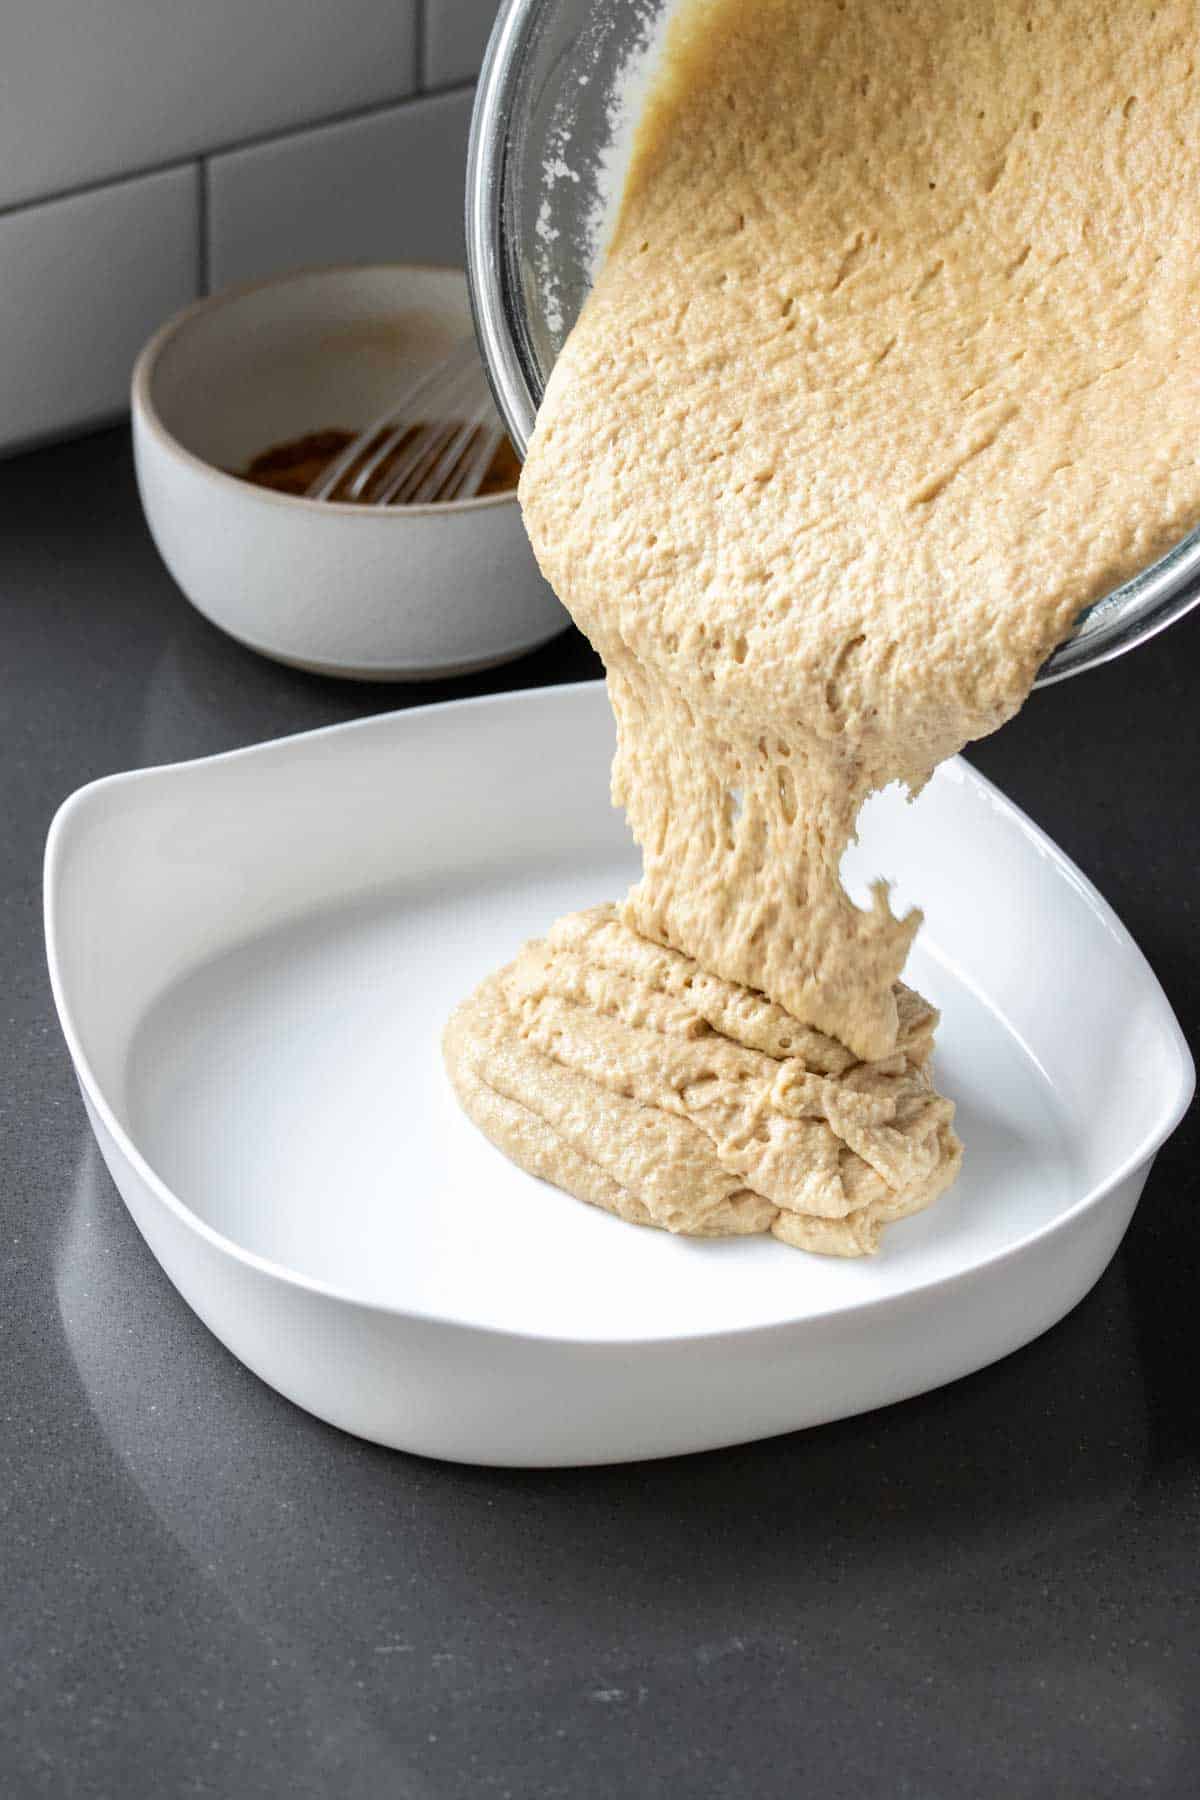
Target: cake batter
<point>892,367</point>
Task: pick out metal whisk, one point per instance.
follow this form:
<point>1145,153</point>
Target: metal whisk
<point>435,443</point>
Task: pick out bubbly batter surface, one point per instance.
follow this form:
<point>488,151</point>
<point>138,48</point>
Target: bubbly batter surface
<point>892,367</point>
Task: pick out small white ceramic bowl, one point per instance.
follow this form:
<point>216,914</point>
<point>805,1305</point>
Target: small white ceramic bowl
<point>395,593</point>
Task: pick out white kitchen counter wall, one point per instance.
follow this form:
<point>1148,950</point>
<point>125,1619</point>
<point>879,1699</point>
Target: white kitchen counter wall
<point>153,150</point>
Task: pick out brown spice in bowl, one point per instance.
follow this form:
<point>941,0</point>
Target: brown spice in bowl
<point>292,468</point>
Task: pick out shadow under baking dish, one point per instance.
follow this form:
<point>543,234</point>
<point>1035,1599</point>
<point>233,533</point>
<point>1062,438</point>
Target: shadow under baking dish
<point>253,958</point>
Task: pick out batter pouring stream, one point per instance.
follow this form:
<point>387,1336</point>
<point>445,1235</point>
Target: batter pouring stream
<point>893,366</point>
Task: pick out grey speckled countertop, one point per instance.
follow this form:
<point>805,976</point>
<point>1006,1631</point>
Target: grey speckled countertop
<point>991,1590</point>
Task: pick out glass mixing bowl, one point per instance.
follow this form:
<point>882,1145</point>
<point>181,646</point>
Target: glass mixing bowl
<point>560,87</point>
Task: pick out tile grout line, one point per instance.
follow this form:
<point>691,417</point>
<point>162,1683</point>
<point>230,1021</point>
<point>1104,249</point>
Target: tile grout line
<point>146,171</point>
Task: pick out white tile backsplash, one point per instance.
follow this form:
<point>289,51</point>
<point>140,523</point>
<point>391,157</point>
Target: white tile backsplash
<point>385,188</point>
<point>95,88</point>
<point>213,141</point>
<point>83,283</point>
<point>456,32</point>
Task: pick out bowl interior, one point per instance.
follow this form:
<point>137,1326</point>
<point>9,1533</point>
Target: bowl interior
<point>257,1006</point>
<point>325,349</point>
<point>558,101</point>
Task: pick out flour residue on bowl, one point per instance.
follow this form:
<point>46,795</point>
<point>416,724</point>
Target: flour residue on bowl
<point>598,170</point>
